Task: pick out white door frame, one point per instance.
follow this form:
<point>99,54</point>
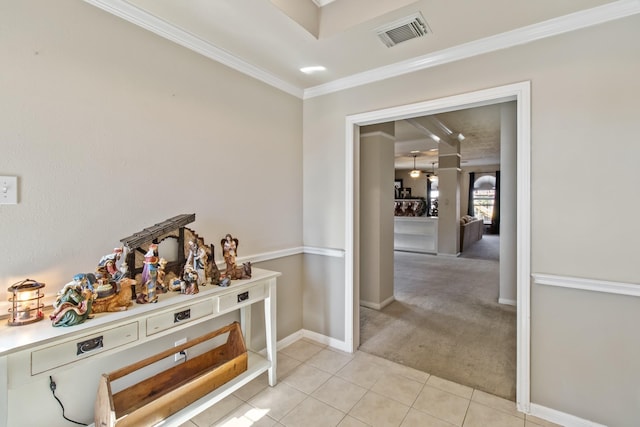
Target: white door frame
<point>521,93</point>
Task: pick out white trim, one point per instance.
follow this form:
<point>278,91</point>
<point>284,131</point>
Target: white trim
<point>321,3</point>
<point>563,24</point>
<point>323,339</point>
<point>608,287</point>
<point>144,19</point>
<point>523,247</point>
<point>337,253</point>
<point>377,133</point>
<point>561,418</point>
<point>521,92</point>
<point>442,254</point>
<point>507,301</point>
<point>552,27</point>
<point>287,341</point>
<point>282,253</point>
<point>310,335</point>
<point>268,256</point>
<point>377,306</point>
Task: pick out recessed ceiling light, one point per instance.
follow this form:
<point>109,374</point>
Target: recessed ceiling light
<point>312,69</point>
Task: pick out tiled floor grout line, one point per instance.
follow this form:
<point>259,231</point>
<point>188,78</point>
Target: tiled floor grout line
<point>467,411</point>
<point>328,369</point>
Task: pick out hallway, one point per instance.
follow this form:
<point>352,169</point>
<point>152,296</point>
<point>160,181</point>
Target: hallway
<point>446,320</point>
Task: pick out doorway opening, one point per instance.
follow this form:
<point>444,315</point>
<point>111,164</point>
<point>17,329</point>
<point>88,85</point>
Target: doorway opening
<point>519,92</point>
<point>443,314</point>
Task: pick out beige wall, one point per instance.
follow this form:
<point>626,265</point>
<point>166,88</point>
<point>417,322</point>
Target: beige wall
<point>323,297</point>
<point>583,115</point>
<point>376,220</point>
<point>508,204</point>
<point>112,129</point>
<point>418,185</point>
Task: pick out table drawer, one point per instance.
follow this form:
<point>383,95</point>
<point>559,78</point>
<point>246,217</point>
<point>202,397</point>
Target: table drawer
<point>180,316</point>
<point>83,347</point>
<point>241,297</point>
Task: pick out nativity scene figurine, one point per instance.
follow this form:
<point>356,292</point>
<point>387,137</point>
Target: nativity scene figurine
<point>230,252</point>
<point>135,272</point>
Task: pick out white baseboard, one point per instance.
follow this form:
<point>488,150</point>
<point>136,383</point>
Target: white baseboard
<point>323,339</point>
<point>377,306</point>
<point>561,417</point>
<point>441,254</point>
<point>287,341</point>
<point>313,336</point>
<point>507,301</point>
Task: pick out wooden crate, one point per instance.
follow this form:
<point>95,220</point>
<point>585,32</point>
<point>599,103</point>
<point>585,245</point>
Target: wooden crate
<point>154,399</point>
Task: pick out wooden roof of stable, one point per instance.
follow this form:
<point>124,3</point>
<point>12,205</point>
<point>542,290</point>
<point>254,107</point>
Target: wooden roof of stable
<point>150,233</point>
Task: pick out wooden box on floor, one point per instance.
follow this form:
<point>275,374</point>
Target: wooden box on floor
<point>154,399</point>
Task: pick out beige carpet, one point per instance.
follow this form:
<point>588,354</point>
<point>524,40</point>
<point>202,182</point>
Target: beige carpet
<point>446,321</point>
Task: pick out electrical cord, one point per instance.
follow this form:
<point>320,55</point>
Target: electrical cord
<point>52,386</point>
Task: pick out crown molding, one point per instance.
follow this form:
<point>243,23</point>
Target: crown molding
<point>575,21</point>
<point>141,18</point>
<point>563,24</point>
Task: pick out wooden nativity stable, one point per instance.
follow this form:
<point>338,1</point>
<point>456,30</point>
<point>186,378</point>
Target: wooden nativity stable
<point>172,230</point>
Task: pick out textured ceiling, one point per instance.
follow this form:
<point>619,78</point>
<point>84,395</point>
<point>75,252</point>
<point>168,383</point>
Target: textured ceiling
<point>481,145</point>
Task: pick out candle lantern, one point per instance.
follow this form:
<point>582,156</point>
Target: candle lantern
<point>26,302</point>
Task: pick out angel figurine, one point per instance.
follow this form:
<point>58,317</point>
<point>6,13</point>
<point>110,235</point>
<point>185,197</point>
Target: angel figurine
<point>229,252</point>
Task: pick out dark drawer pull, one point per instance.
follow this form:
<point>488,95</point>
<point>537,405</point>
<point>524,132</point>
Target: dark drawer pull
<point>89,345</point>
<point>243,296</point>
<point>182,315</point>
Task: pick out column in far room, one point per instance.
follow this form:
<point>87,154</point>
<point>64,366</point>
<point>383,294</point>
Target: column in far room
<point>449,198</point>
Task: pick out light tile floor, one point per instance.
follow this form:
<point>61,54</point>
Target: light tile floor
<point>321,387</point>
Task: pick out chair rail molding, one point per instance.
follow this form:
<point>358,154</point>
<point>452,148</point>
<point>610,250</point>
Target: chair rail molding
<point>619,288</point>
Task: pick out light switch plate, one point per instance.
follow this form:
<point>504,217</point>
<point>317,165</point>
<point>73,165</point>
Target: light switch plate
<point>8,190</point>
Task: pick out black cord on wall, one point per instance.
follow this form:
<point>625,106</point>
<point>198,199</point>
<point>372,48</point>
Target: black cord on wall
<point>52,386</point>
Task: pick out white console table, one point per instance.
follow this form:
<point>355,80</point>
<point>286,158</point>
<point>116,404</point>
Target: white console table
<point>31,352</point>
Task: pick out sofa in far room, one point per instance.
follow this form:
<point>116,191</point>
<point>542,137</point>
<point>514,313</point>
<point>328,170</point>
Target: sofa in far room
<point>471,230</point>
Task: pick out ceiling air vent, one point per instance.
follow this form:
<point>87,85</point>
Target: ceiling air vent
<point>404,29</point>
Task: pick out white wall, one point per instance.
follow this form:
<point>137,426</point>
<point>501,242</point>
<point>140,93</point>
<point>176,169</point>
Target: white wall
<point>584,97</point>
